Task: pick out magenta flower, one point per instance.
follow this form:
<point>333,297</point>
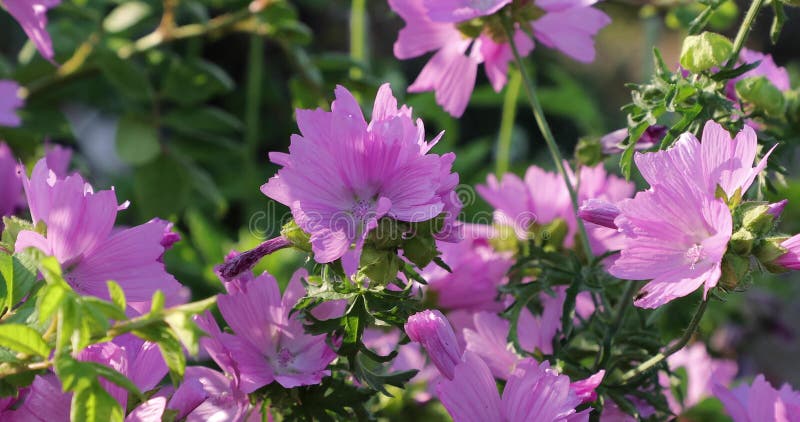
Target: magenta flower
<point>344,174</point>
<point>58,158</point>
<point>433,26</point>
<point>543,197</point>
<point>32,17</point>
<point>207,395</point>
<point>653,135</point>
<point>10,185</point>
<point>760,402</point>
<point>477,271</point>
<point>791,259</point>
<point>469,391</point>
<point>268,344</point>
<point>9,103</point>
<point>45,402</point>
<point>81,236</point>
<point>677,231</point>
<point>702,373</point>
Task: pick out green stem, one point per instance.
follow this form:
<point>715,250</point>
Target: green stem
<point>669,351</point>
<point>744,30</point>
<point>507,122</point>
<point>544,128</point>
<point>358,47</point>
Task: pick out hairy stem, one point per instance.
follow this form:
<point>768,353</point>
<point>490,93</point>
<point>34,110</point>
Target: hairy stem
<point>744,30</point>
<point>507,122</point>
<point>544,128</point>
<point>649,364</point>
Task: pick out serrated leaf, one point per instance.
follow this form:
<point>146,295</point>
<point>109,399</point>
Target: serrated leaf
<point>19,275</point>
<point>50,300</point>
<point>23,339</point>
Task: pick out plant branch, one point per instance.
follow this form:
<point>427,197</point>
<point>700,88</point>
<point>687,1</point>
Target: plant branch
<point>649,364</point>
<point>544,128</point>
<point>611,331</point>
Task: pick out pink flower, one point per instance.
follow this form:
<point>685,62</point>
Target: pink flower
<point>10,186</point>
<point>760,402</point>
<point>469,392</point>
<point>677,231</point>
<point>653,135</point>
<point>343,174</point>
<point>58,158</point>
<point>44,402</point>
<point>433,26</point>
<point>702,373</point>
<point>268,344</point>
<point>32,16</point>
<point>777,75</point>
<point>477,271</point>
<point>543,197</point>
<point>791,259</point>
<point>81,236</point>
<point>9,103</point>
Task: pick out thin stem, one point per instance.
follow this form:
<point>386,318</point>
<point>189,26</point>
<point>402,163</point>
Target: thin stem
<point>544,128</point>
<point>507,122</point>
<point>669,351</point>
<point>7,369</point>
<point>255,73</point>
<point>358,48</point>
<point>619,317</point>
<point>744,30</point>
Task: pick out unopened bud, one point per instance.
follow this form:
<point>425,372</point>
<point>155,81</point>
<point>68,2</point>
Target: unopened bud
<point>742,242</point>
<point>761,93</point>
<point>704,51</point>
<point>380,266</point>
<point>756,218</point>
<point>298,238</point>
<point>599,212</point>
<point>735,270</point>
<point>770,252</point>
<point>432,330</point>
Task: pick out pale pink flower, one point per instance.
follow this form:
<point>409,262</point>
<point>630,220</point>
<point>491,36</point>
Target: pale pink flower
<point>760,402</point>
<point>81,236</point>
<point>702,373</point>
<point>343,174</point>
<point>268,343</point>
<point>432,26</point>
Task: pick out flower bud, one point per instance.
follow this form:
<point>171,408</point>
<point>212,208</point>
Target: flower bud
<point>599,212</point>
<point>757,218</point>
<point>551,236</point>
<point>704,51</point>
<point>432,330</point>
<point>380,266</point>
<point>589,152</point>
<point>791,259</point>
<point>742,242</point>
<point>761,93</point>
<point>296,236</point>
<point>771,254</point>
<point>776,208</point>
<point>735,270</point>
<point>420,249</point>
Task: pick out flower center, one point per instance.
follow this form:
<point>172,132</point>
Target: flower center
<point>361,209</point>
<point>284,356</point>
<point>694,255</point>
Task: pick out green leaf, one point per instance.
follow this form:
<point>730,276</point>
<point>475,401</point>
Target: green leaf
<point>157,303</point>
<point>50,300</point>
<point>102,310</point>
<point>126,76</point>
<point>126,15</point>
<point>188,332</point>
<point>195,81</point>
<point>13,226</point>
<point>19,276</point>
<point>94,404</point>
<point>760,92</point>
<point>117,294</point>
<point>23,339</point>
<point>161,187</point>
<point>137,140</point>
